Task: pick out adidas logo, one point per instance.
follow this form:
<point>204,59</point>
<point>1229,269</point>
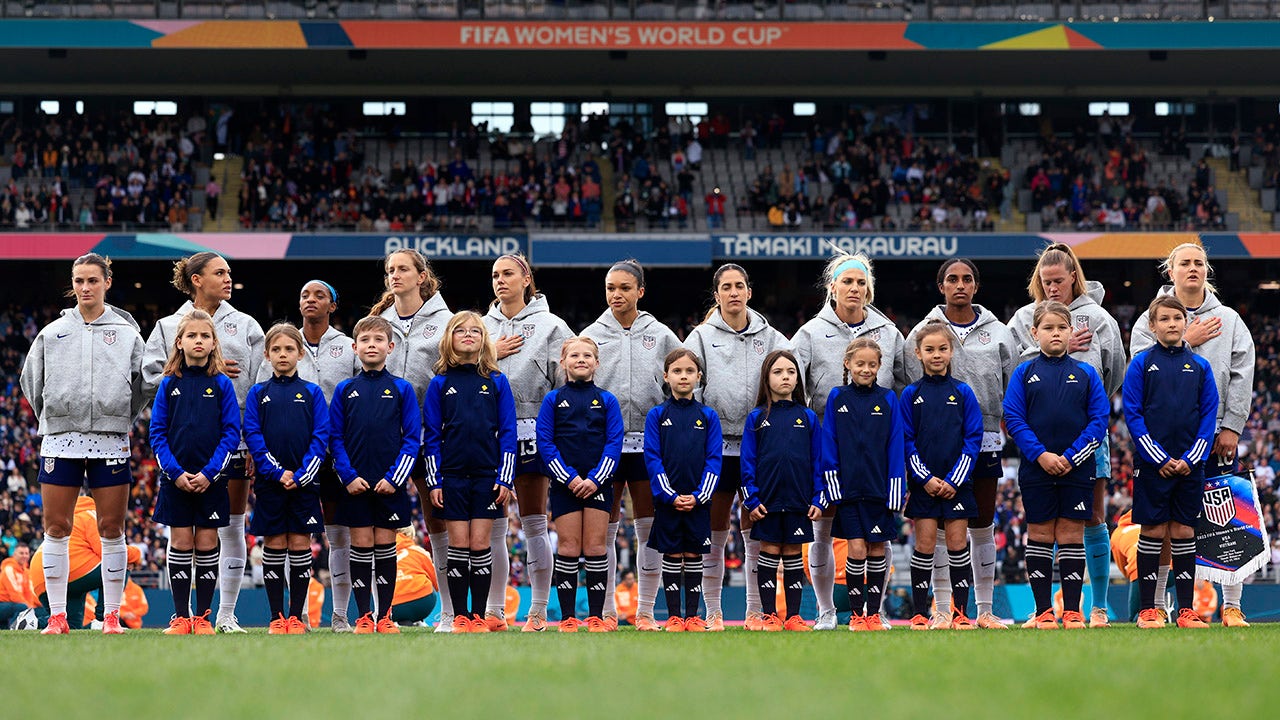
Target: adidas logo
<point>353,394</point>
<point>1033,378</point>
<point>563,403</point>
<point>566,585</point>
<point>666,423</point>
<point>795,586</point>
<point>597,587</point>
<point>1079,506</point>
<point>876,529</point>
<point>182,575</point>
<point>211,575</point>
<point>492,506</point>
<point>770,584</point>
<point>1036,574</point>
<point>765,424</point>
<point>357,583</point>
<point>959,506</point>
<point>311,520</point>
<point>706,543</point>
<point>1073,576</point>
<point>214,516</point>
<point>1151,576</point>
<point>923,585</point>
<point>175,392</point>
<point>381,580</point>
<point>673,587</point>
<point>696,588</point>
<point>271,575</point>
<point>394,516</point>
<point>450,391</point>
<point>798,532</point>
<point>597,498</point>
<point>962,584</point>
<point>919,400</point>
<point>453,572</point>
<point>480,571</point>
<point>843,409</point>
<point>265,399</point>
<point>1153,368</point>
<point>1183,576</point>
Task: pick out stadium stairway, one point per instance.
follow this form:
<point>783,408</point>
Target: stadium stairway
<point>227,173</point>
<point>608,194</point>
<point>1241,199</point>
<point>1017,221</point>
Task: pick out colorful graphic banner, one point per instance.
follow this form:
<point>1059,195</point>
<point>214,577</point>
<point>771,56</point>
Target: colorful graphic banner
<point>1231,539</point>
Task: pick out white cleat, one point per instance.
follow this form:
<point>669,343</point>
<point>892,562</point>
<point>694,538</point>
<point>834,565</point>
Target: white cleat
<point>826,621</point>
<point>340,624</point>
<point>445,625</point>
<point>228,626</point>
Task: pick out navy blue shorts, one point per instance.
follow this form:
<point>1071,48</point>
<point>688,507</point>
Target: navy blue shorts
<point>869,520</point>
<point>236,466</point>
<point>469,499</point>
<point>681,532</point>
<point>1158,499</point>
<point>330,485</point>
<point>563,502</point>
<point>369,509</point>
<point>1049,501</point>
<point>277,511</point>
<point>79,472</point>
<point>786,527</point>
<point>730,474</point>
<point>988,466</point>
<point>178,508</point>
<point>921,504</point>
<point>528,459</point>
<point>631,468</point>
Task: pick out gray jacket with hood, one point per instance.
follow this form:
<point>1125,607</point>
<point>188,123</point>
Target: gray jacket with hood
<point>731,363</point>
<point>535,369</point>
<point>1106,351</point>
<point>984,360</point>
<point>631,363</point>
<point>417,350</point>
<point>820,343</point>
<point>239,335</point>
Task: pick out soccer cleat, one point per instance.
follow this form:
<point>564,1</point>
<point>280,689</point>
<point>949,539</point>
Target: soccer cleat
<point>1098,619</point>
<point>939,621</point>
<point>460,624</point>
<point>611,622</point>
<point>1164,614</point>
<point>570,625</point>
<point>875,623</point>
<point>1187,618</point>
<point>771,623</point>
<point>366,625</point>
<point>535,623</point>
<point>754,621</point>
<point>297,627</point>
<point>795,623</point>
<point>989,621</point>
<point>57,625</point>
<point>884,622</point>
<point>200,625</point>
<point>920,622</point>
<point>1030,624</point>
<point>1150,619</point>
<point>279,626</point>
<point>478,624</point>
<point>228,626</point>
<point>673,624</point>
<point>960,622</point>
<point>385,626</point>
<point>714,622</point>
<point>696,624</point>
<point>1073,620</point>
<point>857,623</point>
<point>1231,617</point>
<point>111,624</point>
<point>646,623</point>
<point>597,625</point>
<point>1045,621</point>
<point>177,626</point>
<point>340,624</point>
<point>497,622</point>
<point>826,621</point>
<point>445,625</point>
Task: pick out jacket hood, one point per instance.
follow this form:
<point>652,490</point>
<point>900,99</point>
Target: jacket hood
<point>111,316</point>
<point>643,320</point>
<point>537,305</point>
<point>755,323</point>
<point>985,316</point>
<point>1211,300</point>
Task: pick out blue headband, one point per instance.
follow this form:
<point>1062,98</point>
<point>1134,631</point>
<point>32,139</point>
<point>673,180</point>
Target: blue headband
<point>333,294</point>
<point>850,264</point>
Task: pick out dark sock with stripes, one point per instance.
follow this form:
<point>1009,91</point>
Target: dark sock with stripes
<point>597,583</point>
<point>921,578</point>
<point>481,574</point>
<point>793,582</point>
<point>1071,571</point>
<point>672,569</point>
<point>1040,573</point>
<point>180,580</point>
<point>362,578</point>
<point>206,579</point>
<point>459,575</point>
<point>692,586</point>
<point>767,581</point>
<point>877,568</point>
<point>384,577</point>
<point>300,582</point>
<point>855,577</point>
<point>961,579</point>
<point>273,580</point>
<point>1148,570</point>
<point>1184,570</point>
<point>564,577</point>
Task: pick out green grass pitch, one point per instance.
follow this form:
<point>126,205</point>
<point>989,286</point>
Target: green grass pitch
<point>1119,672</point>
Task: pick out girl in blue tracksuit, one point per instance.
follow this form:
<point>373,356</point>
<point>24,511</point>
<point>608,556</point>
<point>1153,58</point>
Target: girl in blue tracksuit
<point>781,470</point>
<point>682,450</point>
<point>580,433</point>
<point>195,429</point>
<point>469,442</point>
<point>286,425</point>
<point>374,437</point>
<point>942,435</point>
<point>862,459</point>
<point>1056,410</point>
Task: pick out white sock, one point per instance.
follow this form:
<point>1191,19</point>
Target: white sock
<point>713,572</point>
<point>57,566</point>
<point>611,552</point>
<point>1231,595</point>
<point>983,542</point>
<point>884,587</point>
<point>339,567</point>
<point>501,568</point>
<point>440,556</point>
<point>648,568</point>
<point>1162,583</point>
<point>115,561</point>
<point>539,562</point>
<point>941,575</point>
<point>751,551</point>
<point>822,567</point>
<point>231,560</point>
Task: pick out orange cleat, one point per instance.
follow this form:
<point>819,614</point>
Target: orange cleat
<point>874,623</point>
<point>297,627</point>
<point>367,626</point>
<point>696,624</point>
<point>1073,620</point>
<point>674,624</point>
<point>754,622</point>
<point>1187,618</point>
<point>461,624</point>
<point>795,623</point>
<point>279,626</point>
<point>1098,618</point>
<point>960,622</point>
<point>386,626</point>
<point>770,623</point>
<point>534,623</point>
<point>920,622</point>
<point>646,623</point>
<point>570,625</point>
<point>1231,617</point>
<point>1046,620</point>
<point>111,624</point>
<point>857,623</point>
<point>1150,619</point>
<point>495,623</point>
<point>597,625</point>
<point>201,626</point>
<point>177,626</point>
<point>988,621</point>
<point>611,622</point>
<point>714,622</point>
<point>478,625</point>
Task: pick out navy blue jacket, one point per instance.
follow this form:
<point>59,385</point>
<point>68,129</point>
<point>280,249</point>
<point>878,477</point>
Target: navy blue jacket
<point>286,426</point>
<point>682,450</point>
<point>580,433</point>
<point>781,457</point>
<point>366,410</point>
<point>1160,387</point>
<point>942,429</point>
<point>1057,405</point>
<point>862,450</point>
<point>195,424</point>
<point>469,426</point>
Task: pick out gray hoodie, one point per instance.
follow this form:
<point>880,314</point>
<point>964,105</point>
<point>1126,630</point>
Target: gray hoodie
<point>631,363</point>
<point>240,337</point>
<point>820,345</point>
<point>1231,355</point>
<point>333,362</point>
<point>731,362</point>
<point>1106,351</point>
<point>535,369</point>
<point>85,377</point>
<point>983,360</point>
<point>417,351</point>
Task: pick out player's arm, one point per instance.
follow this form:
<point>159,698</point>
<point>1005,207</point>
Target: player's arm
<point>506,432</point>
<point>920,473</point>
<point>263,460</point>
<point>963,468</point>
<point>615,430</point>
<point>337,440</point>
<point>715,450</point>
<point>318,449</point>
<point>159,435</point>
<point>897,455</point>
<point>747,459</point>
<point>432,422</point>
<point>1208,417</point>
<point>1095,433</point>
<point>659,485</point>
<point>1135,415</point>
<point>1015,417</point>
<point>560,472</point>
<point>229,439</point>
<point>410,432</point>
